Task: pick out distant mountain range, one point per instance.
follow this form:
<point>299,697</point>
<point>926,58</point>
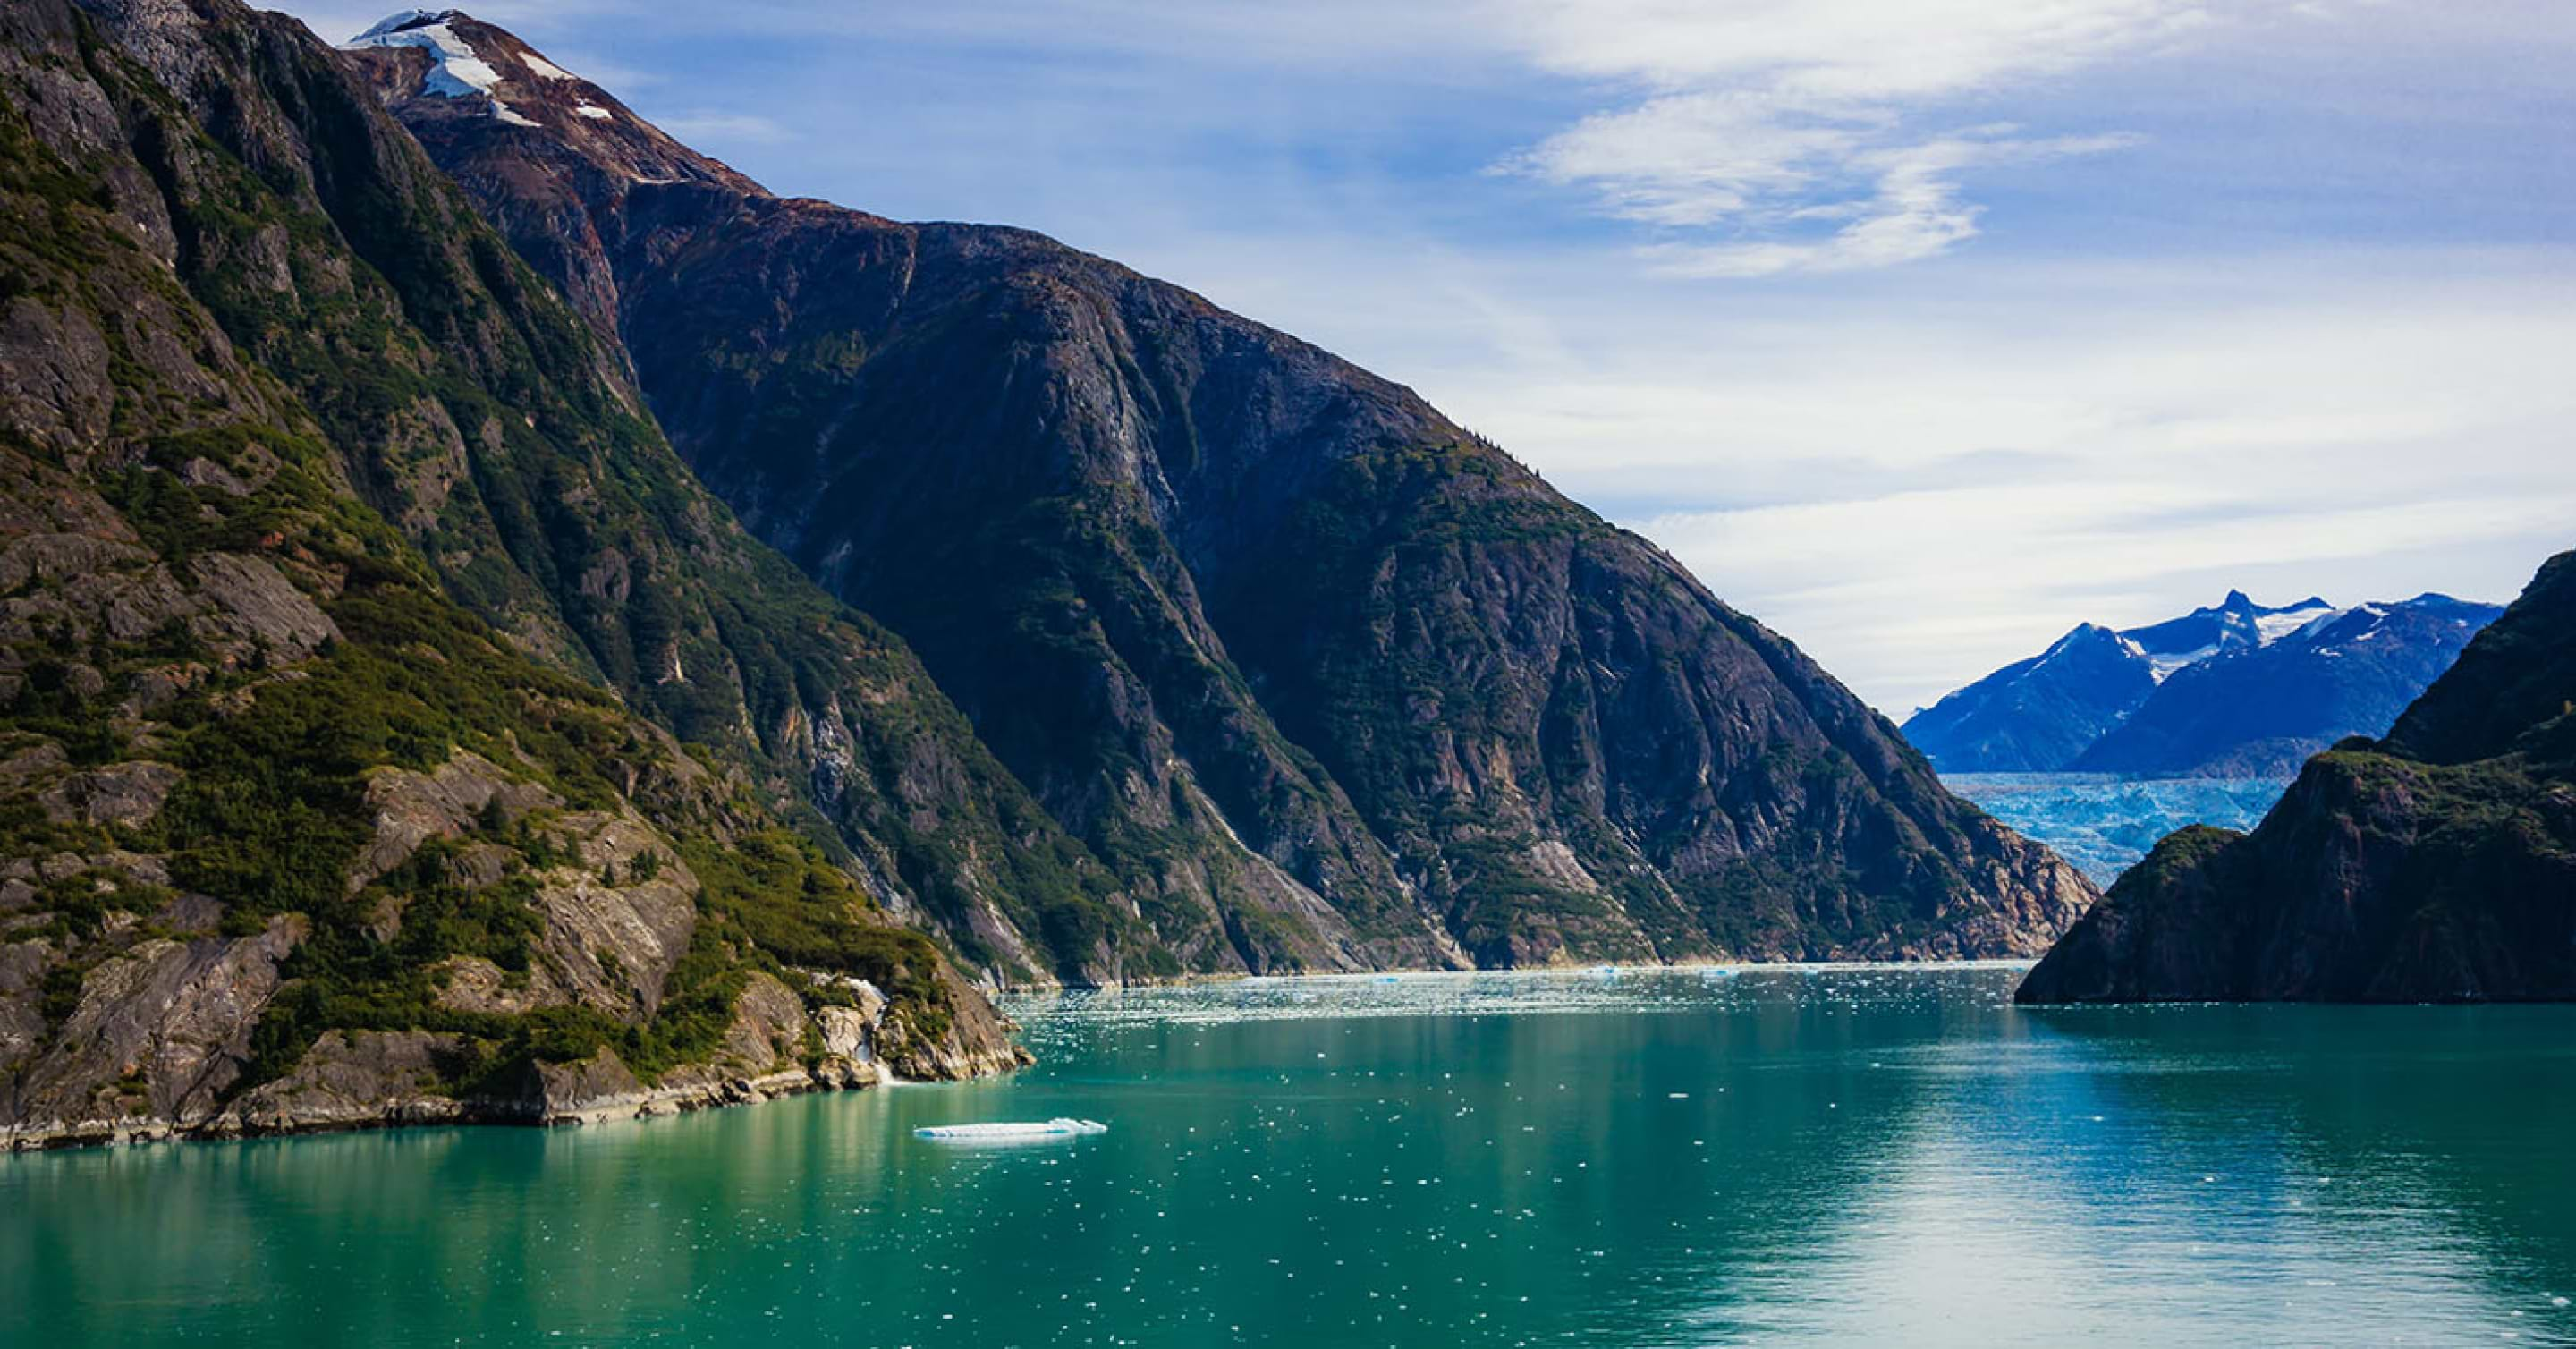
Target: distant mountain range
<point>2237,689</point>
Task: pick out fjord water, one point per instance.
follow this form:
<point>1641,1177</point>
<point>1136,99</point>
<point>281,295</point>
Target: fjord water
<point>1669,1158</point>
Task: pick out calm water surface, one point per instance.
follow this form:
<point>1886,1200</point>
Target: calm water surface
<point>1781,1157</point>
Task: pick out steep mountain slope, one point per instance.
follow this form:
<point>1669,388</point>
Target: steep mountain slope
<point>1320,677</point>
<point>2438,864</point>
<point>482,417</point>
<point>288,838</point>
<point>2260,711</point>
<point>2237,689</point>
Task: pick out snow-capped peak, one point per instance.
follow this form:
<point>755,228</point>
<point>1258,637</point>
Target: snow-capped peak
<point>2279,623</point>
<point>402,19</point>
<point>456,70</point>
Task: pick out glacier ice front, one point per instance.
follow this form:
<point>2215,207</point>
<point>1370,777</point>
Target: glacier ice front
<point>1059,1127</point>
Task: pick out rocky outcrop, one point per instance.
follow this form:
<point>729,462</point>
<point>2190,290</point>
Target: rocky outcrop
<point>126,794</point>
<point>1319,679</point>
<point>413,808</point>
<point>2436,865</point>
<point>158,1032</point>
<point>357,1079</point>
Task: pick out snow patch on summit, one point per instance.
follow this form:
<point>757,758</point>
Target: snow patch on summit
<point>546,68</point>
<point>2162,664</point>
<point>2274,626</point>
<point>456,70</point>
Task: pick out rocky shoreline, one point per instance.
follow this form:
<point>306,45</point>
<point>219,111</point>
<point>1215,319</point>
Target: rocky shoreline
<point>363,1080</point>
<point>550,1110</point>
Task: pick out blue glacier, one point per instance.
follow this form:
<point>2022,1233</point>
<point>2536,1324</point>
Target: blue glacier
<point>2103,822</point>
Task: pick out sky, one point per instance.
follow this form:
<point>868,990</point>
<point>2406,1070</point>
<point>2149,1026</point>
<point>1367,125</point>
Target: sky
<point>1921,330</point>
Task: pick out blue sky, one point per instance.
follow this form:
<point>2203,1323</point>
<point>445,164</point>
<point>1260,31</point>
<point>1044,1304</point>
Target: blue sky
<point>1920,329</point>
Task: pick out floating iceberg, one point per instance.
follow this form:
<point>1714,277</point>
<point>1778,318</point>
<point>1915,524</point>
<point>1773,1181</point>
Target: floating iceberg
<point>1009,1133</point>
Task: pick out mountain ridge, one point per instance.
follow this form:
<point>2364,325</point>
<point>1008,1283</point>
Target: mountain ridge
<point>2235,689</point>
<point>1122,527</point>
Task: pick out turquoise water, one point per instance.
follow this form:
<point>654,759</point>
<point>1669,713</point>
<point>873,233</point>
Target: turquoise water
<point>1784,1157</point>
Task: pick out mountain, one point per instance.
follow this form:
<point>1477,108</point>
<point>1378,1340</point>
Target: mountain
<point>2038,714</point>
<point>352,616</point>
<point>2234,690</point>
<point>1316,677</point>
<point>2438,864</point>
<point>2261,710</point>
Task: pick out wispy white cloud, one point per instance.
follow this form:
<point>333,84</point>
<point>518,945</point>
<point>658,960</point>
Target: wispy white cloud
<point>1913,211</point>
<point>1776,136</point>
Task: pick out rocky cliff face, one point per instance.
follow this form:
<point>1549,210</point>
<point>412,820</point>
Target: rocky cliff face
<point>1320,679</point>
<point>2438,864</point>
<point>289,837</point>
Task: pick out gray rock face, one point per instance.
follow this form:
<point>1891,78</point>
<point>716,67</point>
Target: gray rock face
<point>126,794</point>
<point>258,601</point>
<point>412,808</point>
<point>352,1080</point>
<point>159,1031</point>
<point>615,943</point>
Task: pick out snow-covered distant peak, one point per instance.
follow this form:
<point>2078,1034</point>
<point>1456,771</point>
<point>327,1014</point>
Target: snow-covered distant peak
<point>402,19</point>
<point>2162,664</point>
<point>2279,623</point>
<point>2059,647</point>
<point>456,70</point>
